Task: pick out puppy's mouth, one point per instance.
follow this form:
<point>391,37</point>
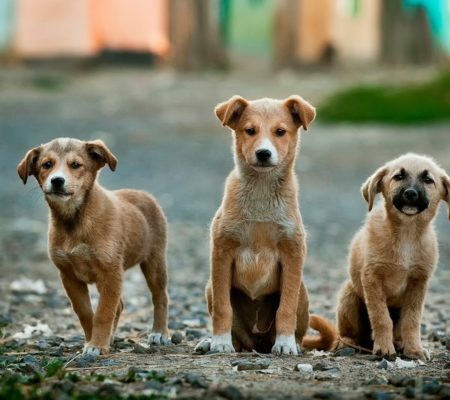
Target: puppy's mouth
<point>410,210</point>
<point>263,167</point>
<point>59,194</point>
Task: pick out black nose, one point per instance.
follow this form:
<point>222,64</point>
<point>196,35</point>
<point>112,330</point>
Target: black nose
<point>57,182</point>
<point>410,194</point>
<point>263,155</point>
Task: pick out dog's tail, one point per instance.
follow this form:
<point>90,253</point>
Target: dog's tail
<point>327,339</point>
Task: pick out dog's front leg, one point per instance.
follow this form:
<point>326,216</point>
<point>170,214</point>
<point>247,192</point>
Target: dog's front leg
<point>78,293</point>
<point>222,313</point>
<point>410,316</point>
<point>292,254</point>
<point>380,320</point>
<point>109,289</point>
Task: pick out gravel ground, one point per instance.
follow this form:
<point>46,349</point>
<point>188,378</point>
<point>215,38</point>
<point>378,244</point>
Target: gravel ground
<point>161,127</point>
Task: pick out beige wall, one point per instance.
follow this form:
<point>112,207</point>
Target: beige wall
<point>49,28</point>
<point>315,29</point>
<point>332,22</point>
<point>53,28</point>
<point>140,25</point>
<point>357,38</point>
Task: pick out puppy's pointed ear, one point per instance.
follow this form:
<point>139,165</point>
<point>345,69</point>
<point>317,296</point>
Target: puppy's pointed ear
<point>100,153</point>
<point>230,111</point>
<point>372,186</point>
<point>301,111</point>
<point>28,165</point>
<point>446,191</point>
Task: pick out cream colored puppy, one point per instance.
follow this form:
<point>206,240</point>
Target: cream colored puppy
<point>393,257</point>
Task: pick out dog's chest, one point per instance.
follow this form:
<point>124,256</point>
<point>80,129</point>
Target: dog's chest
<point>80,259</point>
<point>256,262</point>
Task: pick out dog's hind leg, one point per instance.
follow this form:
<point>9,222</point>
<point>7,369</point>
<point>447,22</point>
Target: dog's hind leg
<point>117,318</point>
<point>155,272</point>
<point>302,314</point>
<point>349,321</point>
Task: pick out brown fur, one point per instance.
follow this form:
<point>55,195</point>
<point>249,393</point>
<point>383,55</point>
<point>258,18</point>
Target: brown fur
<point>96,234</point>
<point>256,292</point>
<point>391,261</point>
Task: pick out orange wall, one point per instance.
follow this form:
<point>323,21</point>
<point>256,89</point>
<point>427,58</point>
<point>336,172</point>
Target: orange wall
<point>53,28</point>
<point>47,28</point>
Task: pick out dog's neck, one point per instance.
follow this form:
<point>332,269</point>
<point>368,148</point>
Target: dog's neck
<point>74,213</point>
<point>402,226</point>
<point>263,195</point>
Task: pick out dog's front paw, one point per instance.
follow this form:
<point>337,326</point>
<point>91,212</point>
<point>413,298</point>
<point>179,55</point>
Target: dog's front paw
<point>417,353</point>
<point>384,348</point>
<point>158,339</point>
<point>93,351</point>
<point>222,343</point>
<point>285,345</point>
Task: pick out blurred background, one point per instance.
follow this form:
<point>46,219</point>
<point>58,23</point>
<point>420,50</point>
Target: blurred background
<point>145,75</point>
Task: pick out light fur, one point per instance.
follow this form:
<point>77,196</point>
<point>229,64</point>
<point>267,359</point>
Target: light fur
<point>96,234</point>
<point>391,261</point>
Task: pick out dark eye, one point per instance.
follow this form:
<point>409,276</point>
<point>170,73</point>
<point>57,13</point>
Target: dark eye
<point>398,177</point>
<point>250,131</point>
<point>428,180</point>
<point>47,165</point>
<point>280,131</point>
<point>75,165</point>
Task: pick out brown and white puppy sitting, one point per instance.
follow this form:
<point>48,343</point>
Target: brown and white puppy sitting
<point>393,257</point>
<point>256,294</point>
<point>96,234</point>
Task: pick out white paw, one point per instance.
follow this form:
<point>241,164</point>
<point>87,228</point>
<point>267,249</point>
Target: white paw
<point>285,345</point>
<point>222,343</point>
<point>91,351</point>
<point>157,339</point>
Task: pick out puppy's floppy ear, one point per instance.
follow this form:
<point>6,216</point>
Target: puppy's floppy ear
<point>98,151</point>
<point>230,111</point>
<point>372,186</point>
<point>446,192</point>
<point>301,111</point>
<point>28,165</point>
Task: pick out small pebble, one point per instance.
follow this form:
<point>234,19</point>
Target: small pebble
<point>385,364</point>
<point>251,365</point>
<point>323,366</point>
<point>230,392</point>
<point>177,338</point>
<point>56,351</point>
<point>345,352</point>
<point>108,390</point>
<point>196,380</point>
<point>139,349</point>
<point>155,385</point>
<point>377,380</point>
<point>42,345</point>
<point>308,368</point>
<point>326,394</point>
<point>379,395</point>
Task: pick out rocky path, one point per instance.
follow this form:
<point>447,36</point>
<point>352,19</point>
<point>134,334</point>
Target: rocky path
<point>162,129</point>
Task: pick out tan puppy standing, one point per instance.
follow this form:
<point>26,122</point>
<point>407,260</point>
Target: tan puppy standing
<point>96,234</point>
<point>256,294</point>
<point>393,257</point>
